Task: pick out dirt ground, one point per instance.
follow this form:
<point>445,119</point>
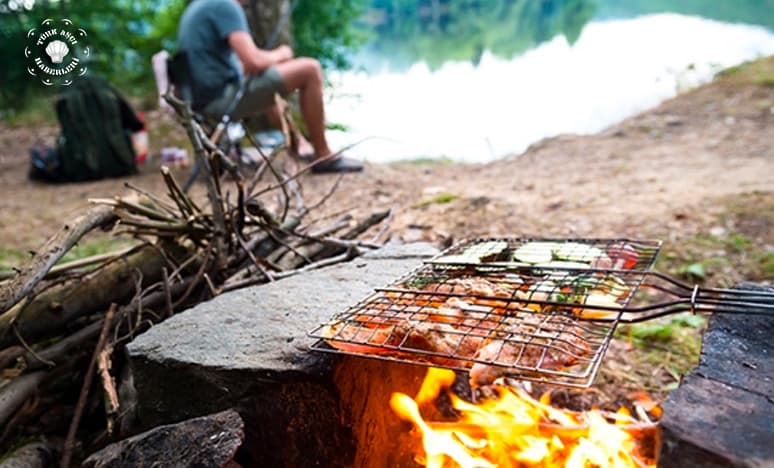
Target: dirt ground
<point>698,166</point>
<point>659,174</point>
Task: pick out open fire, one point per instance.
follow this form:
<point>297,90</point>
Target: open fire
<point>512,429</point>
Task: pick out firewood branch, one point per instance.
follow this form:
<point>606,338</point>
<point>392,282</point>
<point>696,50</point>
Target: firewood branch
<point>37,268</point>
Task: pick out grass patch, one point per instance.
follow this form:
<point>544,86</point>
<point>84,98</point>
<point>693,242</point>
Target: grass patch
<point>10,258</point>
<point>38,111</point>
<point>732,248</point>
<point>723,261</point>
<point>443,160</point>
<point>758,72</point>
<point>765,80</point>
<point>440,199</point>
<point>662,350</point>
<point>95,247</point>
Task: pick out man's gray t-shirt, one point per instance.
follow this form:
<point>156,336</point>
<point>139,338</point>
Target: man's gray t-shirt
<point>203,36</point>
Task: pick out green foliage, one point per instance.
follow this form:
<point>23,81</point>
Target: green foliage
<point>10,257</point>
<point>93,247</point>
<point>440,30</point>
<point>759,12</point>
<point>124,34</point>
<point>664,329</point>
<point>323,30</point>
<point>121,36</point>
<point>694,271</point>
<point>669,345</point>
<point>440,199</point>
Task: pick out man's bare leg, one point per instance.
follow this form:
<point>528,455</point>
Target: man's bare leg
<point>274,116</point>
<point>305,75</point>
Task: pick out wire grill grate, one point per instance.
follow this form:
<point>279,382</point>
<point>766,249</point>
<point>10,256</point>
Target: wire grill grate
<point>532,309</point>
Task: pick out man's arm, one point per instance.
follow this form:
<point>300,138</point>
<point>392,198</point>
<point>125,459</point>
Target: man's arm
<point>255,60</point>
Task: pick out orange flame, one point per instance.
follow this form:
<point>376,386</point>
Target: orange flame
<point>515,430</point>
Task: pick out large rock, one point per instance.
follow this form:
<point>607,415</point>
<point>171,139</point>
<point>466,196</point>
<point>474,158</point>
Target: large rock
<point>249,349</point>
<point>209,441</point>
<point>723,413</point>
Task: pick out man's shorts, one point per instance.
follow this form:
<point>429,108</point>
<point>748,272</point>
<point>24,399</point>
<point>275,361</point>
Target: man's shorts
<point>258,96</point>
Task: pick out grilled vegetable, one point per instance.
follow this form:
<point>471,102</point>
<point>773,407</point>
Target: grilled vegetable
<point>576,252</point>
<point>563,264</point>
<point>624,256</point>
<point>536,252</point>
<point>484,252</point>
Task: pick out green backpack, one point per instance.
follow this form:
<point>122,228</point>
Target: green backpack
<point>97,123</point>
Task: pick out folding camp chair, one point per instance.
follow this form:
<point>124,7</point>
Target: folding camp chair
<point>226,134</point>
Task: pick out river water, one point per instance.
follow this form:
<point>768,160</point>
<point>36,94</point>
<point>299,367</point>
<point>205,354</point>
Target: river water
<point>495,106</point>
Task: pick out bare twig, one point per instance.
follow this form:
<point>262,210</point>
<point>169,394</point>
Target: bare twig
<point>214,195</point>
<point>385,225</point>
<point>197,277</point>
<point>280,180</point>
<point>37,268</point>
<point>167,293</point>
<point>155,199</point>
<point>60,349</point>
<point>258,175</point>
<point>28,348</point>
<point>252,258</point>
<point>184,203</point>
<point>348,255</point>
<point>109,386</point>
<point>81,404</point>
<point>326,196</point>
<point>75,264</point>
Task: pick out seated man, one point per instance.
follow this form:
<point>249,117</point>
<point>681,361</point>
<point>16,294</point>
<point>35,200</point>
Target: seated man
<point>213,33</point>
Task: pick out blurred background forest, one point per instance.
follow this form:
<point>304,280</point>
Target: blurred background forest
<point>124,34</point>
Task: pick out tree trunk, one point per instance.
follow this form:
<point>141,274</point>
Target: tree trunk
<point>265,16</point>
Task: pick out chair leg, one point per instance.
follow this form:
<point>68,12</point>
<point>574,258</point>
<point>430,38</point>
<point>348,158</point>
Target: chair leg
<point>192,177</point>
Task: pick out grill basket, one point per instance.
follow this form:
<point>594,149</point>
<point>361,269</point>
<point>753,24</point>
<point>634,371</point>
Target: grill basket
<point>533,309</point>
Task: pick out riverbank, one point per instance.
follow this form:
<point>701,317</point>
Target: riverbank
<point>695,172</point>
<point>654,174</point>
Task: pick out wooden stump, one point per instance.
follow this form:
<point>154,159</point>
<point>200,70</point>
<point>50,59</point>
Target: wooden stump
<point>723,413</point>
<point>365,386</point>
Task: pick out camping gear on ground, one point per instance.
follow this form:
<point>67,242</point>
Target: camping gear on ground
<point>174,156</point>
<point>140,141</point>
<point>97,123</point>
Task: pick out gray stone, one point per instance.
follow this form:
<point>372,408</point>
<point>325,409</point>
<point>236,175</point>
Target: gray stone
<point>265,327</point>
<point>249,349</point>
<point>209,441</point>
<point>722,415</point>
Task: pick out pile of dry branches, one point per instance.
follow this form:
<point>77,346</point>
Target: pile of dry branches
<point>62,324</point>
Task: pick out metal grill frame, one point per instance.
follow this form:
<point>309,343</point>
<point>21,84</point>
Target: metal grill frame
<point>595,334</point>
<point>552,330</point>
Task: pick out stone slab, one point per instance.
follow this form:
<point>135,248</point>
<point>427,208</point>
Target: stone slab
<point>723,412</point>
<point>264,328</point>
<point>249,350</point>
<point>210,440</point>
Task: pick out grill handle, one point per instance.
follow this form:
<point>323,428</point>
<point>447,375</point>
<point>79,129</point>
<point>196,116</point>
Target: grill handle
<point>696,299</point>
